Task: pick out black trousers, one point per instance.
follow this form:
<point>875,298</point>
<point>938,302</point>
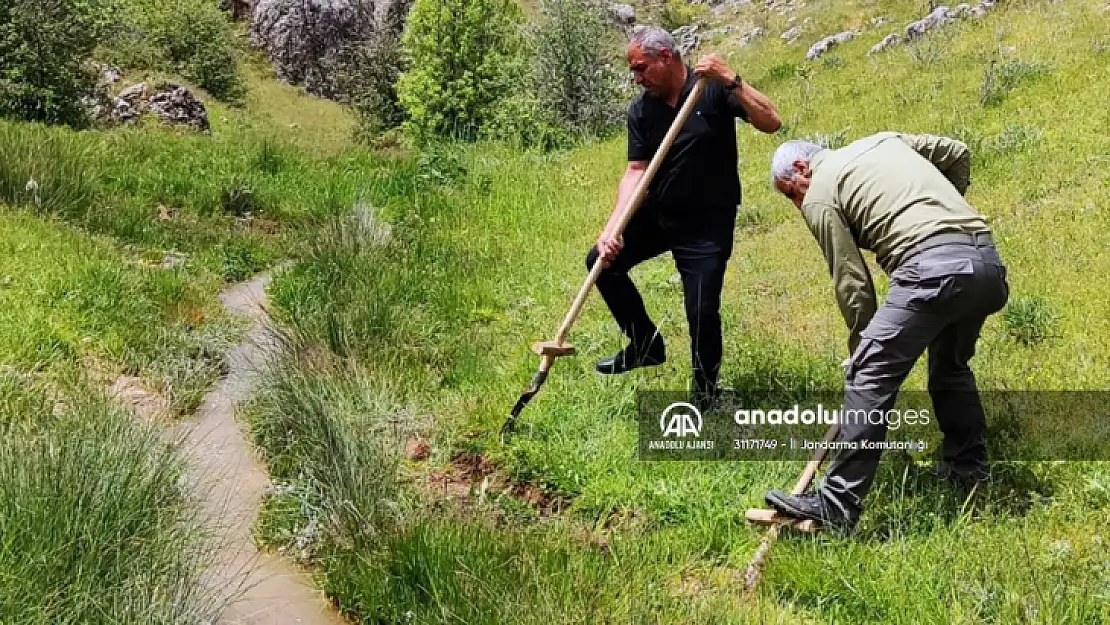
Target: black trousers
<point>701,248</point>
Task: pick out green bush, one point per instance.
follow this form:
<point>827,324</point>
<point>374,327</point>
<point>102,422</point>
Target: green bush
<point>464,57</point>
<point>522,121</point>
<point>45,46</point>
<point>576,71</point>
<point>368,70</point>
<point>190,37</point>
<point>677,13</point>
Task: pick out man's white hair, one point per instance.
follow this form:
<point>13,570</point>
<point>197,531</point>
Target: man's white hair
<point>782,163</point>
<point>654,40</point>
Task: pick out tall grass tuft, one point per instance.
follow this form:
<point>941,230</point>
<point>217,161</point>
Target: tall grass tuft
<point>1030,320</point>
<point>95,526</point>
<point>367,285</point>
<point>332,438</point>
<point>45,168</point>
<point>1000,78</point>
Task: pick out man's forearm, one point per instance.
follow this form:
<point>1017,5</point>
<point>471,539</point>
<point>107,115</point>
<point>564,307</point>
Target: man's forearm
<point>625,191</point>
<point>762,113</point>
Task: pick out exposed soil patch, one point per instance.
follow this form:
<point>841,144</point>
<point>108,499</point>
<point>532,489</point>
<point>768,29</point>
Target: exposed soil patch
<point>150,406</point>
<point>473,475</point>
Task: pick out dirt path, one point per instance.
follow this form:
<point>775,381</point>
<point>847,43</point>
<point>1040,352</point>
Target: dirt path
<point>232,483</point>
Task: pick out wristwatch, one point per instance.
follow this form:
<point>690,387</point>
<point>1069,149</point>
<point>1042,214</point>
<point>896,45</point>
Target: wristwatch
<point>734,83</point>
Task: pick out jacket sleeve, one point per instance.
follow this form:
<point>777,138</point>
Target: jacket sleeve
<point>951,157</point>
<point>855,292</point>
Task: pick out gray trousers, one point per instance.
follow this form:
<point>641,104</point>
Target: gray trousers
<point>938,300</point>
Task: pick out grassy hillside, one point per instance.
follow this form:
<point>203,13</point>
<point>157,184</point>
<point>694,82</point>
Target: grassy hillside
<point>421,279</point>
<point>486,252</point>
<point>113,248</point>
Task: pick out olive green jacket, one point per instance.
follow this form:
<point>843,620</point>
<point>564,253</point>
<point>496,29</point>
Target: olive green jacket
<point>885,193</point>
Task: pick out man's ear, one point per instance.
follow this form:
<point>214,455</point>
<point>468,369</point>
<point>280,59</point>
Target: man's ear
<point>801,167</point>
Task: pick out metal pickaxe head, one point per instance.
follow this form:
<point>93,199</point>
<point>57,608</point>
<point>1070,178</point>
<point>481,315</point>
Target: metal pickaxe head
<point>550,350</point>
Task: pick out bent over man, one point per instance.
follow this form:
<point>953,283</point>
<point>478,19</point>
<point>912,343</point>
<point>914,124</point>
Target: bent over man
<point>900,196</point>
<point>691,203</point>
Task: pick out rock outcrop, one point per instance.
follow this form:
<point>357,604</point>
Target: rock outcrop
<point>303,39</point>
<point>752,35</point>
<point>170,103</point>
<point>890,40</point>
<point>306,39</point>
<point>687,38</point>
<point>174,104</point>
<point>935,20</point>
<point>828,43</point>
<point>622,14</point>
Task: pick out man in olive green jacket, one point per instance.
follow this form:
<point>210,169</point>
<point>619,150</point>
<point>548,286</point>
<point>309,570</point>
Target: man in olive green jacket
<point>900,196</point>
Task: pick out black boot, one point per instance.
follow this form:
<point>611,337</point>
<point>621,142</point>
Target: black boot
<point>704,391</point>
<point>808,506</point>
<point>631,358</point>
<point>966,476</point>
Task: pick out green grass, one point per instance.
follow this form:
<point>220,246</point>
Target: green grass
<point>95,526</point>
<point>422,281</point>
<point>113,248</point>
<point>486,253</point>
<point>72,300</point>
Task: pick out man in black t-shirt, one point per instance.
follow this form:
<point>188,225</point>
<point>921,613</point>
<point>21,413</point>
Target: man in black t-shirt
<point>690,208</point>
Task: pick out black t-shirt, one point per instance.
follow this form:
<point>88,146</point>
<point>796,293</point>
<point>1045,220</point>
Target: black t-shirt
<point>700,173</point>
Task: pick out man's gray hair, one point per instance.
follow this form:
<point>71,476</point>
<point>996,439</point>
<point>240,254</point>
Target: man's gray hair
<point>782,163</point>
<point>654,40</point>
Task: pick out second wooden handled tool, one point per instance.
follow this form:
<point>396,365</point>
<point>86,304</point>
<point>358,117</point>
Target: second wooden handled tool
<point>550,350</point>
<point>777,521</point>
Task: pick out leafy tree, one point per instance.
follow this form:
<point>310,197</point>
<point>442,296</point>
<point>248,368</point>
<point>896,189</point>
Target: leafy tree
<point>463,58</point>
<point>45,46</point>
<point>575,70</point>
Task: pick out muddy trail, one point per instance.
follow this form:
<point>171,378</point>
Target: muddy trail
<point>265,589</point>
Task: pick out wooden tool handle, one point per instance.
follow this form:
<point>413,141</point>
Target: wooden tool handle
<point>815,462</point>
<point>633,204</point>
<point>755,569</point>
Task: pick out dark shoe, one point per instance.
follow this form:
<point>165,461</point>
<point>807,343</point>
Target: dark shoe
<point>706,398</point>
<point>629,358</point>
<point>808,506</point>
<point>962,477</point>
